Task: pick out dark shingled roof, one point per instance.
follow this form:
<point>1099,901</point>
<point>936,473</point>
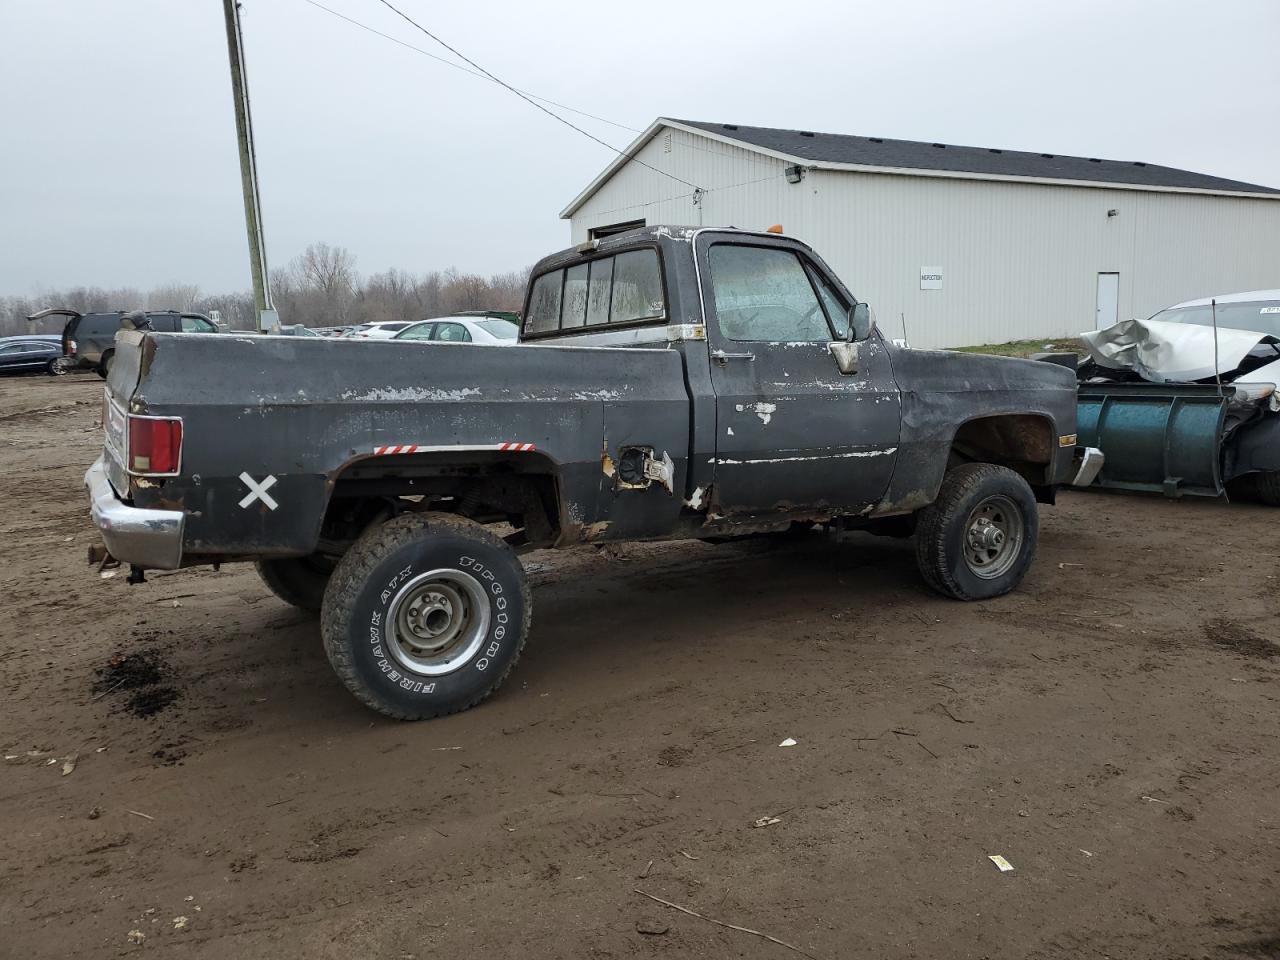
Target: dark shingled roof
<point>910,154</point>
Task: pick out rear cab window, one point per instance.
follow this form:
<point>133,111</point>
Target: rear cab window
<point>625,288</point>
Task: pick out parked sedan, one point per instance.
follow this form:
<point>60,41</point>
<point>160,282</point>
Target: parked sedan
<point>462,330</point>
<point>29,354</point>
<point>377,330</point>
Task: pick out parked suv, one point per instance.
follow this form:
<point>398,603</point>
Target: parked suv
<point>88,339</point>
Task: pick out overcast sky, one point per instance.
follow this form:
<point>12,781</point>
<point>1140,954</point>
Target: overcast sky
<point>119,163</point>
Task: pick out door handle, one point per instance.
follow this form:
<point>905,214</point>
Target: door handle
<point>723,358</point>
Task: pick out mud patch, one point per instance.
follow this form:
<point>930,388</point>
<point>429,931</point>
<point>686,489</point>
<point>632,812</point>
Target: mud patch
<point>320,853</point>
<point>129,671</point>
<point>149,702</point>
<point>674,756</point>
<point>1238,638</point>
<point>141,674</point>
<point>169,755</point>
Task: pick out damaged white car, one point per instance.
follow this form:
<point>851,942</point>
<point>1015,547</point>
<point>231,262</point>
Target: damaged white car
<point>1186,402</point>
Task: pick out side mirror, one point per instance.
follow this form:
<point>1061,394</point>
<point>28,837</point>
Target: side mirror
<point>859,322</point>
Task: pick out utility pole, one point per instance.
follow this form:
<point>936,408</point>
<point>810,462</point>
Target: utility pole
<point>268,319</point>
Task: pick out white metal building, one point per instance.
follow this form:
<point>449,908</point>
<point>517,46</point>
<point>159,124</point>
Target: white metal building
<point>971,245</point>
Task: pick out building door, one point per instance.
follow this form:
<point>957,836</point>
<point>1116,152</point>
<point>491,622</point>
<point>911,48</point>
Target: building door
<point>1108,300</point>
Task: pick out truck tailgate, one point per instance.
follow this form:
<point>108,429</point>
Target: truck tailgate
<point>121,384</point>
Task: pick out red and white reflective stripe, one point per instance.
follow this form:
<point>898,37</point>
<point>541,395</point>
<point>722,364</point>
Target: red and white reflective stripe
<point>511,447</point>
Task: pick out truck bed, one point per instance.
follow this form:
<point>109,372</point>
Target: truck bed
<point>302,410</point>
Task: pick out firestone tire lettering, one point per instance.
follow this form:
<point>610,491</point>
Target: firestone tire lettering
<point>356,614</point>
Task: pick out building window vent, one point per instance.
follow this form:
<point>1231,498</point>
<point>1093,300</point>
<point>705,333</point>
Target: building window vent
<point>666,143</point>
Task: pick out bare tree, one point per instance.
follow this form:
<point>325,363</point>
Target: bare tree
<point>173,296</point>
<point>319,287</point>
<point>327,276</point>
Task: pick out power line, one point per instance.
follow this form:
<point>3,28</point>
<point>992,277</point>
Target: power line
<point>525,97</point>
<point>685,196</point>
<point>457,66</point>
<point>563,106</point>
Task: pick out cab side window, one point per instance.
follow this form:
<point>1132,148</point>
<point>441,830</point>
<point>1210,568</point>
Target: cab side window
<point>763,294</point>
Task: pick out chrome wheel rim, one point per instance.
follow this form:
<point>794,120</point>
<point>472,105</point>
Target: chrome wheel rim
<point>993,536</point>
<point>437,622</point>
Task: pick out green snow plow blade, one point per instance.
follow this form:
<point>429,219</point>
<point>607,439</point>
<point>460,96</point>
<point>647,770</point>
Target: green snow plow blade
<point>1156,437</point>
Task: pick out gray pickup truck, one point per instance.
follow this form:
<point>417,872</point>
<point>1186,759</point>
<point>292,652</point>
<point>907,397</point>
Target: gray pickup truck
<point>670,383</point>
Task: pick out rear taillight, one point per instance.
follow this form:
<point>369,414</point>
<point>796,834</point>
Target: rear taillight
<point>155,445</point>
<point>71,348</point>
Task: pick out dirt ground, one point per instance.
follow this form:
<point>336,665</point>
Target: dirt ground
<point>181,749</point>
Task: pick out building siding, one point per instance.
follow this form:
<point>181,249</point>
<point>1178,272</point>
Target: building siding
<point>1020,261</point>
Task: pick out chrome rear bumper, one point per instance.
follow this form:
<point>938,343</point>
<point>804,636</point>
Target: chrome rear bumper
<point>145,538</point>
<point>1088,463</point>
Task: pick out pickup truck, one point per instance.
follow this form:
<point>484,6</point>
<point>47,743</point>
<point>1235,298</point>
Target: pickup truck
<point>670,383</point>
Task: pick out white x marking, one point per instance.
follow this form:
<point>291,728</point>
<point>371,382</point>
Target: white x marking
<point>258,491</point>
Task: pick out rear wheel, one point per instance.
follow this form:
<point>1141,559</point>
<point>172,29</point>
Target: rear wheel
<point>978,538</point>
<point>425,615</point>
<point>55,367</point>
<point>299,581</point>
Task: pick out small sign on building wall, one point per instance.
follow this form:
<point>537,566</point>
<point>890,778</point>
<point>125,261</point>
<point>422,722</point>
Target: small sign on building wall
<point>930,278</point>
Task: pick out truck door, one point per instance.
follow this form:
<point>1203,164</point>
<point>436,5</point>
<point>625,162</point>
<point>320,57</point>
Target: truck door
<point>792,431</point>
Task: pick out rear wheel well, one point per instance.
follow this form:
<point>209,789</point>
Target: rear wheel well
<point>521,492</point>
<point>1023,442</point>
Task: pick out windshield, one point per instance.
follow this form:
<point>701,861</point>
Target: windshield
<point>502,329</point>
<point>1260,316</point>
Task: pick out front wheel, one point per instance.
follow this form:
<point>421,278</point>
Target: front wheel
<point>978,538</point>
<point>425,615</point>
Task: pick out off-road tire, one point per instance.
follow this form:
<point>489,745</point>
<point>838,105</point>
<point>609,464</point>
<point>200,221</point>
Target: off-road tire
<point>298,581</point>
<point>1267,487</point>
<point>360,603</point>
<point>941,530</point>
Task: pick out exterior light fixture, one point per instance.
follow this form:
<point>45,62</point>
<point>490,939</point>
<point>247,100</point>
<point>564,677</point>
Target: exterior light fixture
<point>794,174</point>
<point>1113,212</point>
